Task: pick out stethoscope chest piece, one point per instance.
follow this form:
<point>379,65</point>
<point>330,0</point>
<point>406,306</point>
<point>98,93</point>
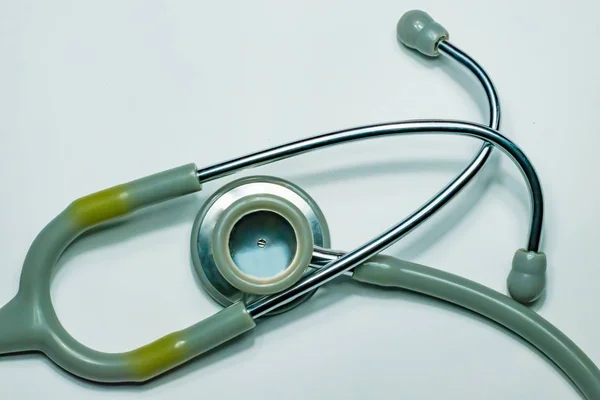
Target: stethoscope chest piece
<point>254,237</point>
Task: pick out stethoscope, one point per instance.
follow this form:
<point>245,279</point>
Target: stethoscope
<point>260,246</point>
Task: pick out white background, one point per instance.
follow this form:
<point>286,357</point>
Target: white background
<point>97,93</point>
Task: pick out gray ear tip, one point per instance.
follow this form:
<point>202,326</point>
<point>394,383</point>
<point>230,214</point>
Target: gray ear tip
<point>417,30</point>
<point>527,279</point>
<point>525,288</point>
<point>411,14</point>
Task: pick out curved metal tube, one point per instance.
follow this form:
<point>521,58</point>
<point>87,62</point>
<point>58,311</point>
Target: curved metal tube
<point>389,237</point>
<point>432,205</point>
<point>408,128</point>
<point>448,49</point>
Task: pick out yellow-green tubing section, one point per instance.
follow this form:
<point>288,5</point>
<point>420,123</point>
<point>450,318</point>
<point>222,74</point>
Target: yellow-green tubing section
<point>29,322</point>
<point>101,206</point>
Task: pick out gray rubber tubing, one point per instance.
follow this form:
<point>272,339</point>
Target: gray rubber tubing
<point>389,271</point>
<point>29,322</point>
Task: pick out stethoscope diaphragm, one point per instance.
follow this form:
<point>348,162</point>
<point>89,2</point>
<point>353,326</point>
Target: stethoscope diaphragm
<point>254,237</point>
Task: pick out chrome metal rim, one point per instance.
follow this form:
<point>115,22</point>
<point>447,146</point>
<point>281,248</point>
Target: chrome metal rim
<point>201,245</point>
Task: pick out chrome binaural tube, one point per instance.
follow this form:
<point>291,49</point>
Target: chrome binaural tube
<point>431,206</point>
<point>348,261</point>
<point>448,49</point>
<point>380,243</point>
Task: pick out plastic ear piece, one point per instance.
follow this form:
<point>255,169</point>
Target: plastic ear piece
<point>417,30</point>
<point>527,279</point>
